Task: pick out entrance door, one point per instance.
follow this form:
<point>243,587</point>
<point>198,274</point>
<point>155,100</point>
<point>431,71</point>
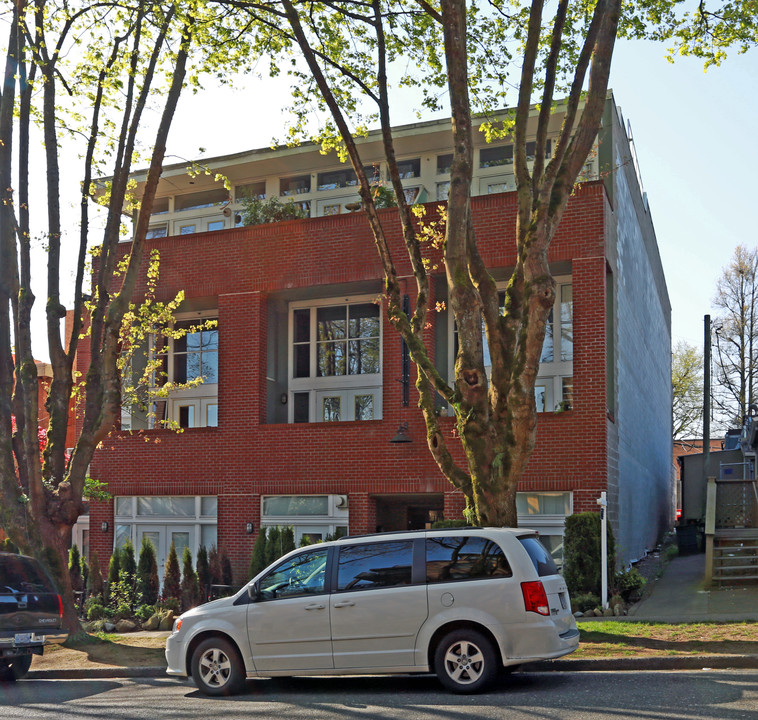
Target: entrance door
<point>161,536</point>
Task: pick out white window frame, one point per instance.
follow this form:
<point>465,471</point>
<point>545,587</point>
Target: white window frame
<point>346,387</point>
<point>551,374</point>
<point>337,515</point>
<point>199,398</point>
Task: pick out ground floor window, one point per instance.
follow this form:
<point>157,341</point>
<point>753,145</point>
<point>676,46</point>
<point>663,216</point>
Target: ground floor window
<point>546,512</point>
<point>184,521</point>
<point>312,517</point>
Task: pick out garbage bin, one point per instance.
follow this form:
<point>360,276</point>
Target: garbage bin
<point>686,539</point>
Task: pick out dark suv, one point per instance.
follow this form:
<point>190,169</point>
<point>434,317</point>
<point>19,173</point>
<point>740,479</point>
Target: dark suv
<point>31,614</point>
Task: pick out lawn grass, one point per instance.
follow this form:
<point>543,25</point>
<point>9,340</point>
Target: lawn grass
<point>635,639</point>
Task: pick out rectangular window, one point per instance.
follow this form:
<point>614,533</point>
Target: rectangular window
<point>215,225</point>
<point>157,231</point>
<point>543,503</point>
<point>249,191</point>
<point>196,353</point>
<point>335,209</point>
<point>295,185</point>
<point>335,362</point>
<point>409,168</point>
<point>444,163</point>
<point>342,178</point>
<point>496,156</point>
<point>546,513</point>
<point>567,322</point>
<point>452,558</point>
<point>203,199</point>
<point>160,206</point>
<point>187,229</point>
<point>287,505</point>
<point>375,565</point>
<point>443,190</point>
<point>531,150</point>
<point>173,506</point>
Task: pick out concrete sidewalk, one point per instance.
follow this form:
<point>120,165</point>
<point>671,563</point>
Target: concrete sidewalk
<point>679,596</point>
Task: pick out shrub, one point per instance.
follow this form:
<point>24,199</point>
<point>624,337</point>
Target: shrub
<point>203,573</point>
<point>85,573</point>
<point>288,540</point>
<point>227,577</point>
<point>189,593</point>
<point>172,577</point>
<point>460,522</point>
<point>581,552</point>
<point>257,211</point>
<point>169,603</point>
<point>214,566</point>
<point>114,567</point>
<point>273,545</point>
<point>258,557</point>
<point>122,593</point>
<point>95,579</point>
<point>128,566</point>
<point>95,611</point>
<point>145,612</point>
<point>584,601</point>
<point>147,585</point>
<point>122,611</point>
<point>629,584</point>
<point>75,569</point>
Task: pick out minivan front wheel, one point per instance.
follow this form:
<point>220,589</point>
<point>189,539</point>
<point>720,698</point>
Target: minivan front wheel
<point>217,668</point>
<point>465,661</point>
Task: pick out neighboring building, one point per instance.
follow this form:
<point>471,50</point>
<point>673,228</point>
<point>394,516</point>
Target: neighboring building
<point>298,420</point>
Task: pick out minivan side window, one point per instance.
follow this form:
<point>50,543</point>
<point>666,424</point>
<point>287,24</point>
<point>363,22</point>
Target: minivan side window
<point>452,558</point>
<point>541,559</point>
<point>375,565</point>
<point>301,574</point>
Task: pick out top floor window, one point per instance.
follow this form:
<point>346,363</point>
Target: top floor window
<point>160,206</point>
<point>296,185</point>
<point>250,191</point>
<point>409,168</point>
<point>495,156</point>
<point>199,200</point>
<point>444,163</point>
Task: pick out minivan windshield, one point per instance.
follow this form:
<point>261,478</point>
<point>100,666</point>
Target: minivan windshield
<point>541,559</point>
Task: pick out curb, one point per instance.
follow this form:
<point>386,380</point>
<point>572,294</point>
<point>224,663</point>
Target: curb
<point>670,662</point>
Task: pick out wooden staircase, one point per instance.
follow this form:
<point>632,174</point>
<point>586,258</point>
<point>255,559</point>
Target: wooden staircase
<point>735,556</point>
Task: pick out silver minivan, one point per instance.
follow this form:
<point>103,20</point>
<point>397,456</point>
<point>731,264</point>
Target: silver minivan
<point>463,602</point>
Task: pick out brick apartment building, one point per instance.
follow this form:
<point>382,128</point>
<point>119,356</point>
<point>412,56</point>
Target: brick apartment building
<point>273,436</point>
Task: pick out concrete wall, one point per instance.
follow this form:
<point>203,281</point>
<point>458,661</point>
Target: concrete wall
<point>642,354</point>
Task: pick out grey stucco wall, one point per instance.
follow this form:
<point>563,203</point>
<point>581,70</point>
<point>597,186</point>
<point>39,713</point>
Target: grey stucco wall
<point>640,436</point>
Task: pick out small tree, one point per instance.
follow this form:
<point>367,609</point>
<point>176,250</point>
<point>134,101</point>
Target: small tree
<point>273,544</point>
<point>258,558</point>
<point>95,580</point>
<point>687,389</point>
<point>148,585</point>
<point>203,573</point>
<point>189,590</point>
<point>172,577</point>
<point>288,540</point>
<point>85,573</point>
<point>214,566</point>
<point>114,569</point>
<point>128,565</point>
<point>581,553</point>
<point>75,569</point>
<point>227,577</point>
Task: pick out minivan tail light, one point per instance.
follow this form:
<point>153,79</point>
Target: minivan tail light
<point>60,607</point>
<point>535,598</point>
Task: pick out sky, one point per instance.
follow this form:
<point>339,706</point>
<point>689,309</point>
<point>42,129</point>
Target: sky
<point>693,133</point>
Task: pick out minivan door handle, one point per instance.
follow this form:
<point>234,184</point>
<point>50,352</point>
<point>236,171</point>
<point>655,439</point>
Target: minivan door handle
<point>344,603</point>
<point>315,606</point>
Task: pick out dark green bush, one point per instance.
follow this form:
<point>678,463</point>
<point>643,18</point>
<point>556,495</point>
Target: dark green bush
<point>172,576</point>
<point>148,585</point>
<point>584,601</point>
<point>96,612</point>
<point>258,556</point>
<point>75,569</point>
<point>581,554</point>
<point>145,612</point>
<point>203,573</point>
<point>95,579</point>
<point>629,584</point>
<point>189,589</point>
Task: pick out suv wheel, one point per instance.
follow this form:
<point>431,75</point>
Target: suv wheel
<point>465,661</point>
<point>217,668</point>
<point>15,668</point>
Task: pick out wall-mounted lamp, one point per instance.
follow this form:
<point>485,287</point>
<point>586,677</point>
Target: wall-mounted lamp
<point>104,526</point>
<point>283,398</point>
<point>402,434</point>
<point>249,527</point>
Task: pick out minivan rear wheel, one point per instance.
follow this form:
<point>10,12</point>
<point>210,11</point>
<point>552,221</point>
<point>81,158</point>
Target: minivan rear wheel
<point>465,661</point>
<point>217,668</point>
<point>15,668</point>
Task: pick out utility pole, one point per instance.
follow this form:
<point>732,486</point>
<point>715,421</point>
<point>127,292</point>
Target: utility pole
<point>706,396</point>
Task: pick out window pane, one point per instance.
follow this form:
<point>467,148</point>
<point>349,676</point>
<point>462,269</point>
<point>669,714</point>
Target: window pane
<point>459,558</point>
<point>180,506</point>
<point>295,185</point>
<point>547,345</point>
<point>364,357</point>
<point>302,574</point>
<point>409,168</point>
<point>209,506</point>
<point>443,163</point>
<point>209,367</point>
<point>331,408</point>
<point>187,416</point>
<point>539,397</point>
<point>301,407</point>
<point>205,198</point>
<point>250,190</point>
<point>443,190</point>
<point>287,505</point>
<point>540,557</point>
<point>186,229</point>
<point>567,387</point>
<point>543,503</point>
<point>123,506</point>
<point>302,361</point>
<point>331,359</point>
<point>567,323</point>
<point>122,534</point>
<point>493,156</point>
<point>364,320</point>
<point>209,536</point>
<point>211,416</point>
<point>157,231</point>
<point>301,325</point>
<point>364,407</point>
<point>331,323</point>
<point>375,565</point>
<point>216,225</point>
<point>180,539</point>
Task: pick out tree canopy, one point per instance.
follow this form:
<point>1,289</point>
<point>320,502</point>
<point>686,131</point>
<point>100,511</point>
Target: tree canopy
<point>687,390</point>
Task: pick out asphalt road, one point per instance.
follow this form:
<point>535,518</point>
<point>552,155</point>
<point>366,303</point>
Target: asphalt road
<point>723,694</point>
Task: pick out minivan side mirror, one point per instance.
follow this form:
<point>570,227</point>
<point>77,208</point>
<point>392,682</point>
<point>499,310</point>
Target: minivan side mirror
<point>253,592</point>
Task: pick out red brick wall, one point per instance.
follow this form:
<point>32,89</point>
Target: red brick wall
<point>245,458</point>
